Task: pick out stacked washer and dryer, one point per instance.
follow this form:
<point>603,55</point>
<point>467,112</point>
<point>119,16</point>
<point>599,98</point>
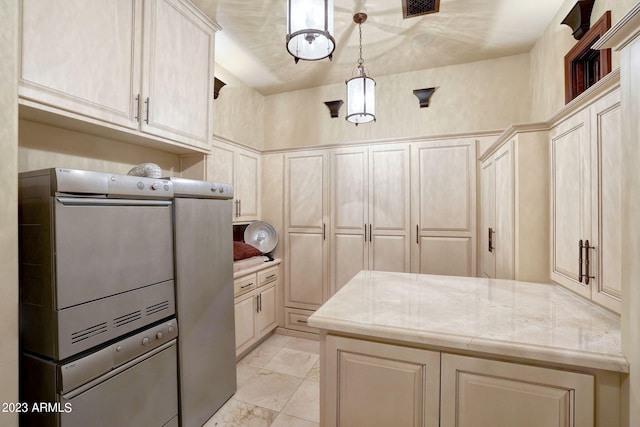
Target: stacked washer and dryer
<point>111,267</point>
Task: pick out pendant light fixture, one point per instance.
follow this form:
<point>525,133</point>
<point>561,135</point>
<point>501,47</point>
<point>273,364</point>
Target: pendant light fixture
<point>361,89</point>
<point>309,29</point>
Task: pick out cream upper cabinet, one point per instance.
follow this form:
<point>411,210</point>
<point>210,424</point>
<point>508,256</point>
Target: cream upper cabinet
<point>177,71</point>
<point>486,393</point>
<point>586,233</point>
<point>83,56</point>
<point>144,66</point>
<point>306,217</point>
<point>571,199</point>
<point>514,209</point>
<point>370,211</point>
<point>246,187</point>
<point>241,168</point>
<point>443,205</point>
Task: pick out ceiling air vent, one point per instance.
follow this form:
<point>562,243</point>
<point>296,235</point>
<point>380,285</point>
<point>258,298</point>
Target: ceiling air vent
<point>411,8</point>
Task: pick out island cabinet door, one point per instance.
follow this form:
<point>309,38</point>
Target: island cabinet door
<point>486,393</point>
<point>378,385</point>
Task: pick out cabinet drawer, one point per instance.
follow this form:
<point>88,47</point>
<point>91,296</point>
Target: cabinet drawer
<point>268,275</point>
<point>297,319</point>
<point>244,284</point>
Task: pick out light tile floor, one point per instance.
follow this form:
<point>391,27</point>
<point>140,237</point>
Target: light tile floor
<point>278,386</point>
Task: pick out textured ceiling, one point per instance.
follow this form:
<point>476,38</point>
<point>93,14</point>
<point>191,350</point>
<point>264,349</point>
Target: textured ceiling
<point>251,44</point>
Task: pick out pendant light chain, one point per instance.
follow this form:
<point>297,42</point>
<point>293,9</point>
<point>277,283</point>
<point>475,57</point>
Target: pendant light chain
<point>360,61</point>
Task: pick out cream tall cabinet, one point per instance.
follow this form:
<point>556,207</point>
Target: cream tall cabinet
<point>240,167</point>
<point>370,217</point>
<point>514,208</point>
<point>146,66</point>
<point>586,201</point>
<point>362,208</point>
<point>443,205</point>
<point>306,217</point>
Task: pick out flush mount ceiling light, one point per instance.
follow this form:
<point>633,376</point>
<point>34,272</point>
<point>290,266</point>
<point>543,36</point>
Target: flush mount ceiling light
<point>361,89</point>
<point>309,29</point>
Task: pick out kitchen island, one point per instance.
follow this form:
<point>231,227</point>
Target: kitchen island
<point>420,350</point>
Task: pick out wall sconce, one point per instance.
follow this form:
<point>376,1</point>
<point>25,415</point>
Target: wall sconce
<point>579,18</point>
<point>424,95</point>
<point>217,87</point>
<point>334,107</point>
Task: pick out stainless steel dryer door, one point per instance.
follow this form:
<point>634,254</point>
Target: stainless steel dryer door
<point>141,393</point>
<point>105,247</point>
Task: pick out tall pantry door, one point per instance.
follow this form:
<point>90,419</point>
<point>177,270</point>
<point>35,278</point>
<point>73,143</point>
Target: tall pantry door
<point>306,225</point>
<point>444,207</point>
<point>389,208</point>
<point>370,211</point>
<point>349,214</point>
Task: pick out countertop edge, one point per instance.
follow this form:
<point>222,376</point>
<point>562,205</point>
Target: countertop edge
<point>607,362</point>
<point>259,267</point>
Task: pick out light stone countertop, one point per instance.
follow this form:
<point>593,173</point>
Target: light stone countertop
<point>534,321</point>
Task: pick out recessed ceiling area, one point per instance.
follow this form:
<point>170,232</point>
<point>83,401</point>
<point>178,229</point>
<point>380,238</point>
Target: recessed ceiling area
<point>251,44</point>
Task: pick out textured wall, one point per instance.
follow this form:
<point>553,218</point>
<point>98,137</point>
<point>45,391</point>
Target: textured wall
<point>547,56</point>
<point>9,207</point>
<point>486,95</point>
<point>43,146</point>
<point>238,113</point>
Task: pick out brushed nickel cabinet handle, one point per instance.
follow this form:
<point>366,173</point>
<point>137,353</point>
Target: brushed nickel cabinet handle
<point>491,247</point>
<point>370,234</point>
<point>587,262</point>
<point>137,116</point>
<point>324,231</point>
<point>146,102</point>
<point>301,321</point>
<point>580,246</point>
<point>247,285</point>
<point>417,234</point>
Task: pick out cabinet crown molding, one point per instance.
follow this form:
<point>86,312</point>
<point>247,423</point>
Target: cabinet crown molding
<point>623,33</point>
